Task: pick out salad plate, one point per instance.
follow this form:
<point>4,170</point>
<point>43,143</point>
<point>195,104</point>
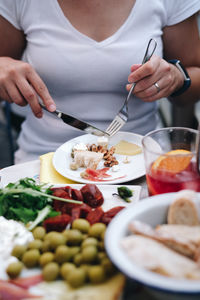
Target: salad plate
<point>110,200</point>
<point>126,171</point>
<point>14,232</point>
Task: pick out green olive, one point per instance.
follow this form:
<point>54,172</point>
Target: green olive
<point>100,246</point>
<point>31,258</point>
<point>75,237</point>
<point>50,272</point>
<point>46,246</point>
<point>39,232</point>
<point>78,258</point>
<point>18,251</point>
<point>66,268</point>
<point>89,254</point>
<point>56,239</point>
<point>73,251</point>
<point>97,229</point>
<point>62,254</point>
<point>85,236</point>
<point>108,266</point>
<point>48,235</point>
<point>46,258</point>
<point>101,256</point>
<point>96,274</point>
<point>35,244</point>
<point>76,277</point>
<point>90,241</point>
<point>65,233</point>
<point>14,269</point>
<point>85,267</point>
<point>81,224</point>
<point>103,235</point>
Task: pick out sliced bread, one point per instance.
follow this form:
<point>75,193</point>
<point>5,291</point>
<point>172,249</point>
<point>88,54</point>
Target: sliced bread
<point>183,209</point>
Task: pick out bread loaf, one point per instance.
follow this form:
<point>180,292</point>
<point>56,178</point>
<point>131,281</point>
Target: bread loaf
<point>170,237</point>
<point>183,210</point>
<point>190,234</point>
<point>156,257</point>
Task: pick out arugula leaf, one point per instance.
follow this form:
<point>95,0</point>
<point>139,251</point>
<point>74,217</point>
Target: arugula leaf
<point>22,214</point>
<point>23,200</point>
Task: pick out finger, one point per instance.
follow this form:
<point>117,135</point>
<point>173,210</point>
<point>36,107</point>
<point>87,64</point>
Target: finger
<point>14,94</point>
<point>135,67</point>
<point>41,90</point>
<point>145,70</point>
<point>4,95</point>
<point>148,81</point>
<point>153,90</point>
<point>157,91</point>
<point>30,96</point>
<point>163,93</point>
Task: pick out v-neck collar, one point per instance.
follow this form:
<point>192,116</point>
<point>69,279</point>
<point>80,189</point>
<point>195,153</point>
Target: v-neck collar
<point>90,40</point>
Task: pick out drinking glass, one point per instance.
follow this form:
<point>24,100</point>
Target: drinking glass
<point>170,160</point>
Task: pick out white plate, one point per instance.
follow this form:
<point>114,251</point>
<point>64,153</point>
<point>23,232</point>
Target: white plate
<point>47,290</point>
<point>111,200</point>
<point>134,169</point>
<point>153,211</point>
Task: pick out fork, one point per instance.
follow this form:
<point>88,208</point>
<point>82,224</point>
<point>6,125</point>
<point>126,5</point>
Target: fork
<point>122,116</point>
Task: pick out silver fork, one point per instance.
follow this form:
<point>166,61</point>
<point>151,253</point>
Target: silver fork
<point>122,116</point>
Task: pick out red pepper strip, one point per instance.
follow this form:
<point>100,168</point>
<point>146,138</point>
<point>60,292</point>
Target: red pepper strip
<point>60,192</point>
<point>92,195</point>
<point>75,214</point>
<point>95,215</point>
<point>27,282</point>
<point>85,209</point>
<point>57,223</point>
<point>108,215</point>
<point>77,195</point>
<point>9,291</point>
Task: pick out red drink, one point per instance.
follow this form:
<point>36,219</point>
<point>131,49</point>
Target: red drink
<point>161,181</point>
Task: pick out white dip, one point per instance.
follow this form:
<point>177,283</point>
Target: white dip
<point>11,233</point>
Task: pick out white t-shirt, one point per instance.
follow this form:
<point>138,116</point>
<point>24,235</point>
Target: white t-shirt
<point>87,78</point>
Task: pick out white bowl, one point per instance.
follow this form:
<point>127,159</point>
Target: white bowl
<point>152,210</point>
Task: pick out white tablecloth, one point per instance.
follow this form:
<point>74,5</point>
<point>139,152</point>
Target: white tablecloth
<point>15,172</point>
<point>32,169</point>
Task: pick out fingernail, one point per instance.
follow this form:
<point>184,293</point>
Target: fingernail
<point>52,107</point>
<point>39,115</point>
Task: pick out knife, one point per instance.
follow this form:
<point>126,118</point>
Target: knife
<point>74,122</point>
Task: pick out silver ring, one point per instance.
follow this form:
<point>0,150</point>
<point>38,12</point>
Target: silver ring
<point>157,87</point>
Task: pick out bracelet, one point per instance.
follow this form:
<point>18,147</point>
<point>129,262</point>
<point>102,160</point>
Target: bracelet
<point>187,80</point>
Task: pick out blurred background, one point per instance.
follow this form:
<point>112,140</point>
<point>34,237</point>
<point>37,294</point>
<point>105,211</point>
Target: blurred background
<point>10,122</point>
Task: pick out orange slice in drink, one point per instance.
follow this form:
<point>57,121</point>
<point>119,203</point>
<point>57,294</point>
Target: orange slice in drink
<point>174,161</point>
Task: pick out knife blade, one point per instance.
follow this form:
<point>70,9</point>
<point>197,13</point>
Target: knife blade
<point>76,123</point>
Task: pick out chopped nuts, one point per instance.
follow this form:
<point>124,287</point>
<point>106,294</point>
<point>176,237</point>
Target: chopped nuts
<point>110,160</point>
